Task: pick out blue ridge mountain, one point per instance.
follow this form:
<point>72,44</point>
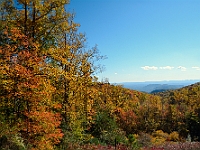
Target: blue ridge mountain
<point>158,86</point>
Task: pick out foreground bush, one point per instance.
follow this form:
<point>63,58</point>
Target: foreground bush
<point>97,147</point>
<point>159,137</point>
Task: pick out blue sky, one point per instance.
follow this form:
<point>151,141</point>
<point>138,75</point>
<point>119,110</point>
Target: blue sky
<point>144,40</point>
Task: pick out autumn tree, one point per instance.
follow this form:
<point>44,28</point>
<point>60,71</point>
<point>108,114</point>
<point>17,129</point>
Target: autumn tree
<point>26,93</point>
<point>74,67</point>
<point>52,69</point>
<point>26,89</point>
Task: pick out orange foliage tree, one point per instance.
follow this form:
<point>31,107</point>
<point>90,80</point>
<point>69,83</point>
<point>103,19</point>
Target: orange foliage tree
<point>26,92</point>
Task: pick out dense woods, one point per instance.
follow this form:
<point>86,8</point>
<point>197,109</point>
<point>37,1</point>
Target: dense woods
<point>51,99</point>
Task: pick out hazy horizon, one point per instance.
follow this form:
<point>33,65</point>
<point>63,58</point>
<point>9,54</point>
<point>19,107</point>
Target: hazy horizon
<point>152,81</point>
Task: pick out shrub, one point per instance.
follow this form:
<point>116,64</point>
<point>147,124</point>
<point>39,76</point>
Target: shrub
<point>174,136</point>
<point>12,142</point>
<point>133,143</point>
<point>159,137</point>
<point>105,129</point>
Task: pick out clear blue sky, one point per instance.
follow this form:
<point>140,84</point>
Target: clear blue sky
<point>144,40</point>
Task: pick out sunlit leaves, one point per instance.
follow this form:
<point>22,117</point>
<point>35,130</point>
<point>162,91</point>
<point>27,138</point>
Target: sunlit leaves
<point>26,93</point>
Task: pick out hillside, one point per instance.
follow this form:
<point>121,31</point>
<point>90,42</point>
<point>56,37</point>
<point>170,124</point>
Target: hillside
<point>190,90</point>
<point>170,112</point>
<point>185,102</point>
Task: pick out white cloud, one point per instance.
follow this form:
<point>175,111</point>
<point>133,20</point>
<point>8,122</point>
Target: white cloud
<point>197,68</point>
<point>182,68</point>
<point>149,68</point>
<point>115,72</point>
<point>166,68</point>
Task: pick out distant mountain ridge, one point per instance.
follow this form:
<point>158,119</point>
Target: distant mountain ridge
<point>154,88</point>
<point>158,86</point>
